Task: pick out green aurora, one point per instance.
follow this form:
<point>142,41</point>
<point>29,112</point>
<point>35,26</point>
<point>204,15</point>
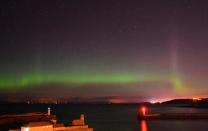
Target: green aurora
<point>79,79</point>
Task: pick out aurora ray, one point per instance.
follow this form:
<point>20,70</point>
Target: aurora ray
<point>123,47</point>
<point>174,62</point>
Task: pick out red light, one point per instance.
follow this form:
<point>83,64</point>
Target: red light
<point>143,110</point>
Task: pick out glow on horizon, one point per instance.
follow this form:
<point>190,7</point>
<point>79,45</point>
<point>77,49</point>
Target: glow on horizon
<point>196,99</point>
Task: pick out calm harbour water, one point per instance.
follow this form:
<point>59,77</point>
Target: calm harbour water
<point>114,117</point>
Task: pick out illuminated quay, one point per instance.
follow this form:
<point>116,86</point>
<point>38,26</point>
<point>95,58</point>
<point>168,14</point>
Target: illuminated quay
<point>43,122</point>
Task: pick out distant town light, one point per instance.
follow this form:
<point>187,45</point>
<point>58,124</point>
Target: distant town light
<point>153,101</point>
<point>196,99</point>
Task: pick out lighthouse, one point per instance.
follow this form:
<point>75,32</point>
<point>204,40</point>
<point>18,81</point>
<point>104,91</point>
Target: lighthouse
<point>49,111</point>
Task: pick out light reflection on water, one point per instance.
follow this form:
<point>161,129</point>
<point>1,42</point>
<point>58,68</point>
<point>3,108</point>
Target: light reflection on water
<point>114,117</point>
<point>143,125</point>
<point>173,125</point>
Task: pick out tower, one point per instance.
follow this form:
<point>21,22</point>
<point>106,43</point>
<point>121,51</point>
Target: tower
<point>49,111</point>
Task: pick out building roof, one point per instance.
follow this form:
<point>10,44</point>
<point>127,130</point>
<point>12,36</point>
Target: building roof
<point>35,124</point>
<point>58,125</point>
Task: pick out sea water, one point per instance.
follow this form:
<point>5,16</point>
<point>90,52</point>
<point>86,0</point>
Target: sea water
<point>113,117</point>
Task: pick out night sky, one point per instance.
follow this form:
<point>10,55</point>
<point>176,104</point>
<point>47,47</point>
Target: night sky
<point>123,50</point>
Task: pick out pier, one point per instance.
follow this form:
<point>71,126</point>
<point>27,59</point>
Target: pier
<point>38,121</point>
<point>181,116</point>
<point>26,117</point>
<point>143,115</point>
